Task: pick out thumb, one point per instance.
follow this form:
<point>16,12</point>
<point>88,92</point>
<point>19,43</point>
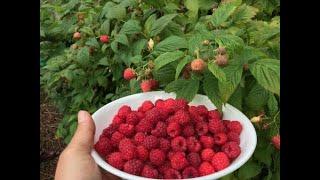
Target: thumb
<point>83,137</point>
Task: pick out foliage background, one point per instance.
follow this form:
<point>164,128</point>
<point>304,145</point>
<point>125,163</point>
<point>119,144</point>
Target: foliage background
<point>86,74</point>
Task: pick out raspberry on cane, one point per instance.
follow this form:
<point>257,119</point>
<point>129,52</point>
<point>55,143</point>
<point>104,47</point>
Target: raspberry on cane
<point>205,169</point>
<point>276,141</point>
<point>146,85</point>
<point>133,166</point>
<point>157,157</point>
<point>104,38</point>
<point>198,65</point>
<point>129,74</point>
<point>231,149</point>
<point>220,161</point>
<point>179,143</point>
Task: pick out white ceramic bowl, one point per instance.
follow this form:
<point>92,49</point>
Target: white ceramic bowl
<point>103,117</point>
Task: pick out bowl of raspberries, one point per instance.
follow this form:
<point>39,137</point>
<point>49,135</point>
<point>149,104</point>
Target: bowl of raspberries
<point>155,135</point>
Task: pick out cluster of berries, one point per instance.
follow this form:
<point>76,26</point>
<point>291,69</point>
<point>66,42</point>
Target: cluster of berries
<point>169,139</point>
<point>145,85</point>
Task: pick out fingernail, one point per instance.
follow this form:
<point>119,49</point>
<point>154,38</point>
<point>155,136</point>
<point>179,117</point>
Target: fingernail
<point>82,116</point>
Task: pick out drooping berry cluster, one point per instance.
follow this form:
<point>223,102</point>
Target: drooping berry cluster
<point>169,139</point>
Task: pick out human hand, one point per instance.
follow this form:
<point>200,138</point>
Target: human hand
<point>76,162</point>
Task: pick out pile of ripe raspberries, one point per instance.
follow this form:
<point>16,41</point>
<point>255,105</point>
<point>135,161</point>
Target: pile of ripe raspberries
<point>169,139</point>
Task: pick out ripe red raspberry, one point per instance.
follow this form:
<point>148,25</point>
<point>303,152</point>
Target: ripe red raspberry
<point>140,115</point>
<point>164,144</point>
<point>159,103</point>
<point>193,144</point>
<point>188,131</point>
<point>194,114</point>
<point>142,153</point>
<point>214,114</point>
<point>215,126</point>
<point>220,161</point>
<point>276,141</point>
<point>164,113</point>
<point>173,129</point>
<point>154,83</point>
<point>115,159</point>
<point>225,122</point>
<point>171,105</point>
<point>116,138</point>
<point>133,166</point>
<point>117,120</point>
<point>124,111</point>
<point>194,159</point>
<point>182,104</point>
<point>153,116</point>
<point>104,38</point>
<point>201,128</point>
<point>146,86</point>
<point>207,141</point>
<point>76,35</point>
<point>205,169</point>
<point>220,138</point>
<point>157,157</point>
<point>146,106</point>
<point>144,126</point>
<point>207,154</point>
<point>103,146</point>
<point>160,129</point>
<point>129,74</point>
<point>198,65</point>
<point>178,161</point>
<point>231,149</point>
<point>190,172</point>
<point>232,136</point>
<point>235,126</point>
<point>164,167</point>
<point>182,117</point>
<point>149,172</point>
<point>139,137</point>
<point>126,129</point>
<point>179,143</point>
<point>127,149</point>
<point>202,110</point>
<point>107,132</point>
<point>151,142</point>
<point>132,118</point>
<point>172,174</point>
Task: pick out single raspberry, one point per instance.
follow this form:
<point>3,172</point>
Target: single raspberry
<point>164,113</point>
<point>205,169</point>
<point>146,86</point>
<point>154,83</point>
<point>173,129</point>
<point>116,138</point>
<point>132,118</point>
<point>198,65</point>
<point>194,159</point>
<point>182,104</point>
<point>164,144</point>
<point>220,161</point>
<point>129,74</point>
<point>76,35</point>
<point>171,119</point>
<point>144,126</point>
<point>160,130</point>
<point>159,103</point>
<point>171,105</point>
<point>178,161</point>
<point>140,115</point>
<point>149,172</point>
<point>207,141</point>
<point>157,157</point>
<point>133,166</point>
<point>182,117</point>
<point>126,129</point>
<point>115,159</point>
<point>231,149</point>
<point>104,38</point>
<point>117,120</point>
<point>220,138</point>
<point>221,60</point>
<point>207,154</point>
<point>139,137</point>
<point>235,126</point>
<point>188,131</point>
<point>172,174</point>
<point>221,50</point>
<point>233,136</point>
<point>214,114</point>
<point>146,106</point>
<point>151,142</point>
<point>153,116</point>
<point>193,144</point>
<point>164,167</point>
<point>194,114</point>
<point>190,172</point>
<point>142,153</point>
<point>170,154</point>
<point>215,126</point>
<point>276,141</point>
<point>201,128</point>
<point>124,111</point>
<point>127,149</point>
<point>103,146</point>
<point>107,132</point>
<point>202,110</point>
<point>179,143</point>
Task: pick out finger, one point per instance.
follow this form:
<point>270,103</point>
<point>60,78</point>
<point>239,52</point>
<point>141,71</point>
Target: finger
<point>83,137</point>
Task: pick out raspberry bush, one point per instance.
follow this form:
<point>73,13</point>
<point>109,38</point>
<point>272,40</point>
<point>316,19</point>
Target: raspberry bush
<point>86,45</point>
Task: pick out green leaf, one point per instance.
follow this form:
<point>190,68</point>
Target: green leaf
<point>205,4</point>
<point>136,59</point>
<point>93,42</point>
<point>122,38</point>
<point>263,154</point>
<point>149,22</point>
<point>164,75</point>
<point>171,43</point>
<point>249,170</point>
<point>160,24</point>
<point>267,73</point>
<point>83,55</point>
<point>226,89</point>
<point>210,87</point>
<point>223,12</point>
<point>236,98</point>
<point>231,42</point>
<point>87,30</point>
<point>181,65</point>
<point>104,61</point>
<point>176,85</point>
<point>272,104</point>
<point>185,89</point>
<point>233,72</point>
<point>134,86</point>
<point>249,54</point>
<point>193,7</point>
<point>257,97</point>
<point>216,71</point>
<point>138,46</point>
<point>131,27</point>
<point>116,12</point>
<point>244,14</point>
<point>167,58</point>
<point>114,46</point>
<point>105,27</point>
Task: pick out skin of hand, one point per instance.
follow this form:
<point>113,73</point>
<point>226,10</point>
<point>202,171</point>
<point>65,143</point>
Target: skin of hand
<point>76,162</point>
